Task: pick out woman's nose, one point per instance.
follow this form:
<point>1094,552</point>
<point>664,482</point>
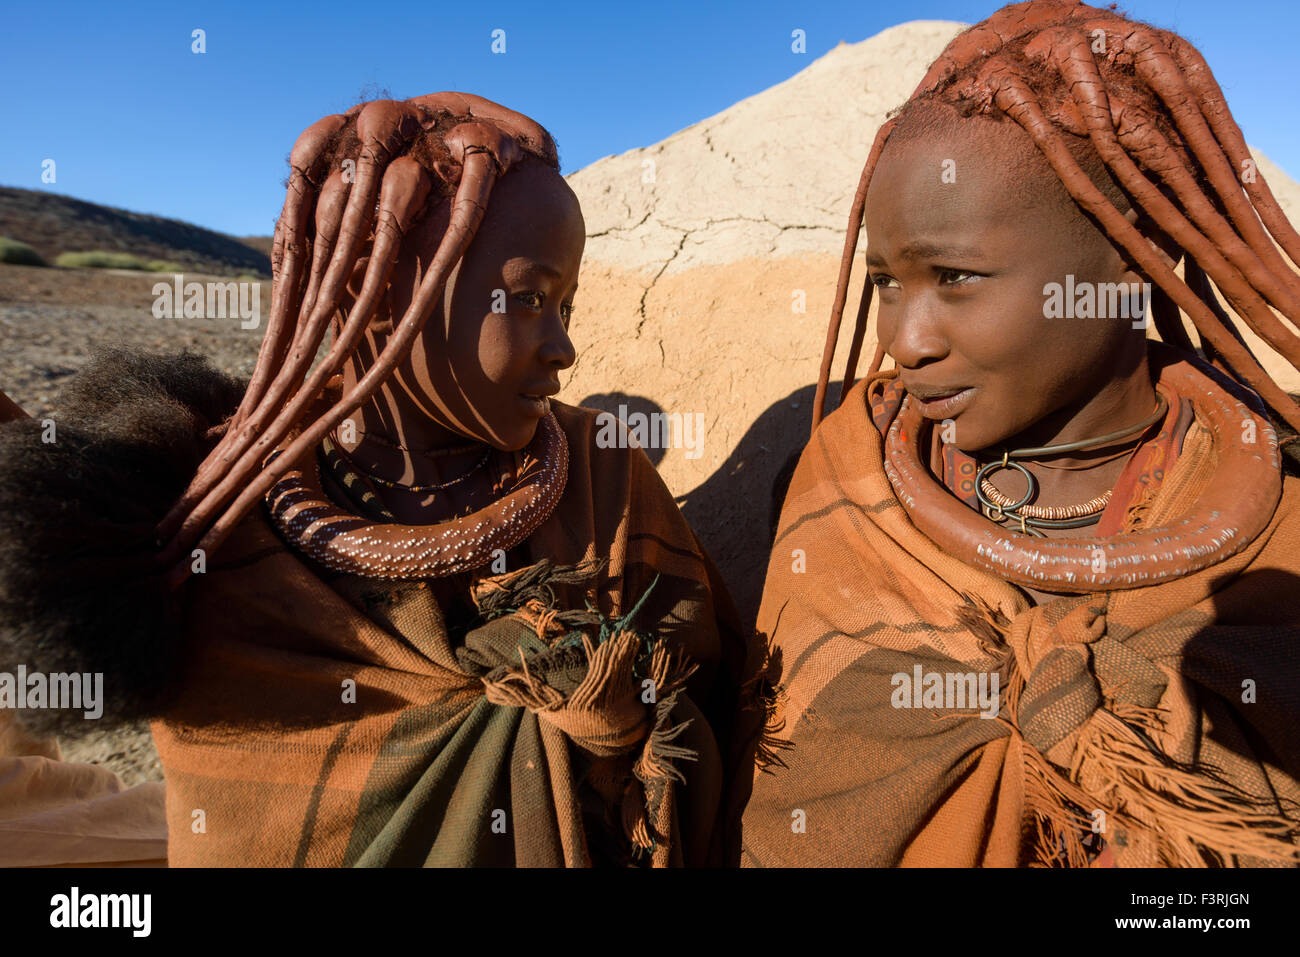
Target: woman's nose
<point>557,349</point>
<point>914,337</point>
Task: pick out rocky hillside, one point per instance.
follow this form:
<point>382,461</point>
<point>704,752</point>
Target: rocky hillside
<point>53,224</point>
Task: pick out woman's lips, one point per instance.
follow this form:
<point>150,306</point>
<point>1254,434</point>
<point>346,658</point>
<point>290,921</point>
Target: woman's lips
<point>946,406</point>
<point>535,405</point>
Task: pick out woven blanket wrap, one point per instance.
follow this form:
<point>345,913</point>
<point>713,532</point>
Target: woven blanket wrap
<point>334,720</point>
<point>1159,722</point>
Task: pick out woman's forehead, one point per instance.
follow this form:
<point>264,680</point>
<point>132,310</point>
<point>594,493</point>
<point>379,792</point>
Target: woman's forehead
<point>963,151</point>
<point>965,180</point>
<point>530,189</point>
<point>941,184</point>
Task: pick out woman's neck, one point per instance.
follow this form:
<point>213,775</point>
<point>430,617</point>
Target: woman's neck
<point>1121,401</point>
<point>391,439</point>
<point>1077,477</point>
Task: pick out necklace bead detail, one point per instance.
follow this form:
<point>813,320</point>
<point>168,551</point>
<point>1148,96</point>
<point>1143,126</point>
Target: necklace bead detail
<point>347,542</point>
<point>1033,518</point>
<point>430,453</point>
<point>1053,512</point>
<point>401,486</point>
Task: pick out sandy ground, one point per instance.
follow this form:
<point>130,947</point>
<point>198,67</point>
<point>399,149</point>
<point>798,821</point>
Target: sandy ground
<point>51,322</point>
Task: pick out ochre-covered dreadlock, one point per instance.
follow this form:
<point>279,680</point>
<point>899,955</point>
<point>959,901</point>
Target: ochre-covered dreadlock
<point>367,172</point>
<point>1154,115</point>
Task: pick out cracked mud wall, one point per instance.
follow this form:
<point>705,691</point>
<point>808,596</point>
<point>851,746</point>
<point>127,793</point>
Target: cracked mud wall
<point>722,341</point>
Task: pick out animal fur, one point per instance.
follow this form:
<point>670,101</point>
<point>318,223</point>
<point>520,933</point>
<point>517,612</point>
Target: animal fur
<point>77,593</point>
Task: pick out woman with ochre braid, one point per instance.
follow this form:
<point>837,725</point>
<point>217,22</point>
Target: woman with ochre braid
<point>398,607</point>
<point>1034,589</point>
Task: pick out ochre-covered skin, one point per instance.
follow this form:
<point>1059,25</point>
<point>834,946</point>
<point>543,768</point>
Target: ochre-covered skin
<point>329,215</point>
<point>1147,106</point>
<point>1017,62</point>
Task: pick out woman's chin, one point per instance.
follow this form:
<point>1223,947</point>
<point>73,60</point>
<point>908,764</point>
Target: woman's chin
<point>969,434</point>
<point>516,436</point>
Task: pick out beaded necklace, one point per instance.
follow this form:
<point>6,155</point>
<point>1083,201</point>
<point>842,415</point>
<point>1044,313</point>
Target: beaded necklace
<point>430,453</point>
<point>336,446</point>
<point>999,507</point>
<point>348,542</point>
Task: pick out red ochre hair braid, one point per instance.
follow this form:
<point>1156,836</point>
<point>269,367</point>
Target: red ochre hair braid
<point>367,172</point>
<point>1155,117</point>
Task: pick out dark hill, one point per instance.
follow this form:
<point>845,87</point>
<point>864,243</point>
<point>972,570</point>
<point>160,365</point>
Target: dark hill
<point>53,224</point>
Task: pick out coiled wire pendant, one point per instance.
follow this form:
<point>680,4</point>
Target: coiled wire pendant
<point>1033,518</point>
<point>998,507</point>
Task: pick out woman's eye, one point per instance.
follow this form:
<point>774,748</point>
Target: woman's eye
<point>881,281</point>
<point>566,311</point>
<point>955,276</point>
<point>533,300</point>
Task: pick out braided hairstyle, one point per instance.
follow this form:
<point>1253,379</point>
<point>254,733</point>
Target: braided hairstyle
<point>1111,101</point>
<point>358,182</point>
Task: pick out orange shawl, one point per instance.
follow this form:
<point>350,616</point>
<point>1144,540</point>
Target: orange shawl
<point>1150,712</point>
<point>335,720</point>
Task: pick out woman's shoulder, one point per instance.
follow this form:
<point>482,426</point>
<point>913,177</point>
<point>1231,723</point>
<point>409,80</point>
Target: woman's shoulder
<point>597,436</point>
<point>614,492</point>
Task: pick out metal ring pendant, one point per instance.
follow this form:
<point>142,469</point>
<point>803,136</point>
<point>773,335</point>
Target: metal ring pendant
<point>991,507</point>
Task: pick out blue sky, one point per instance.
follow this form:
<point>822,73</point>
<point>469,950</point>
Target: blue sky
<point>133,118</point>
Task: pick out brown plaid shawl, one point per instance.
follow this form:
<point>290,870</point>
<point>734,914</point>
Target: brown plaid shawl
<point>523,736</point>
<point>1163,718</point>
